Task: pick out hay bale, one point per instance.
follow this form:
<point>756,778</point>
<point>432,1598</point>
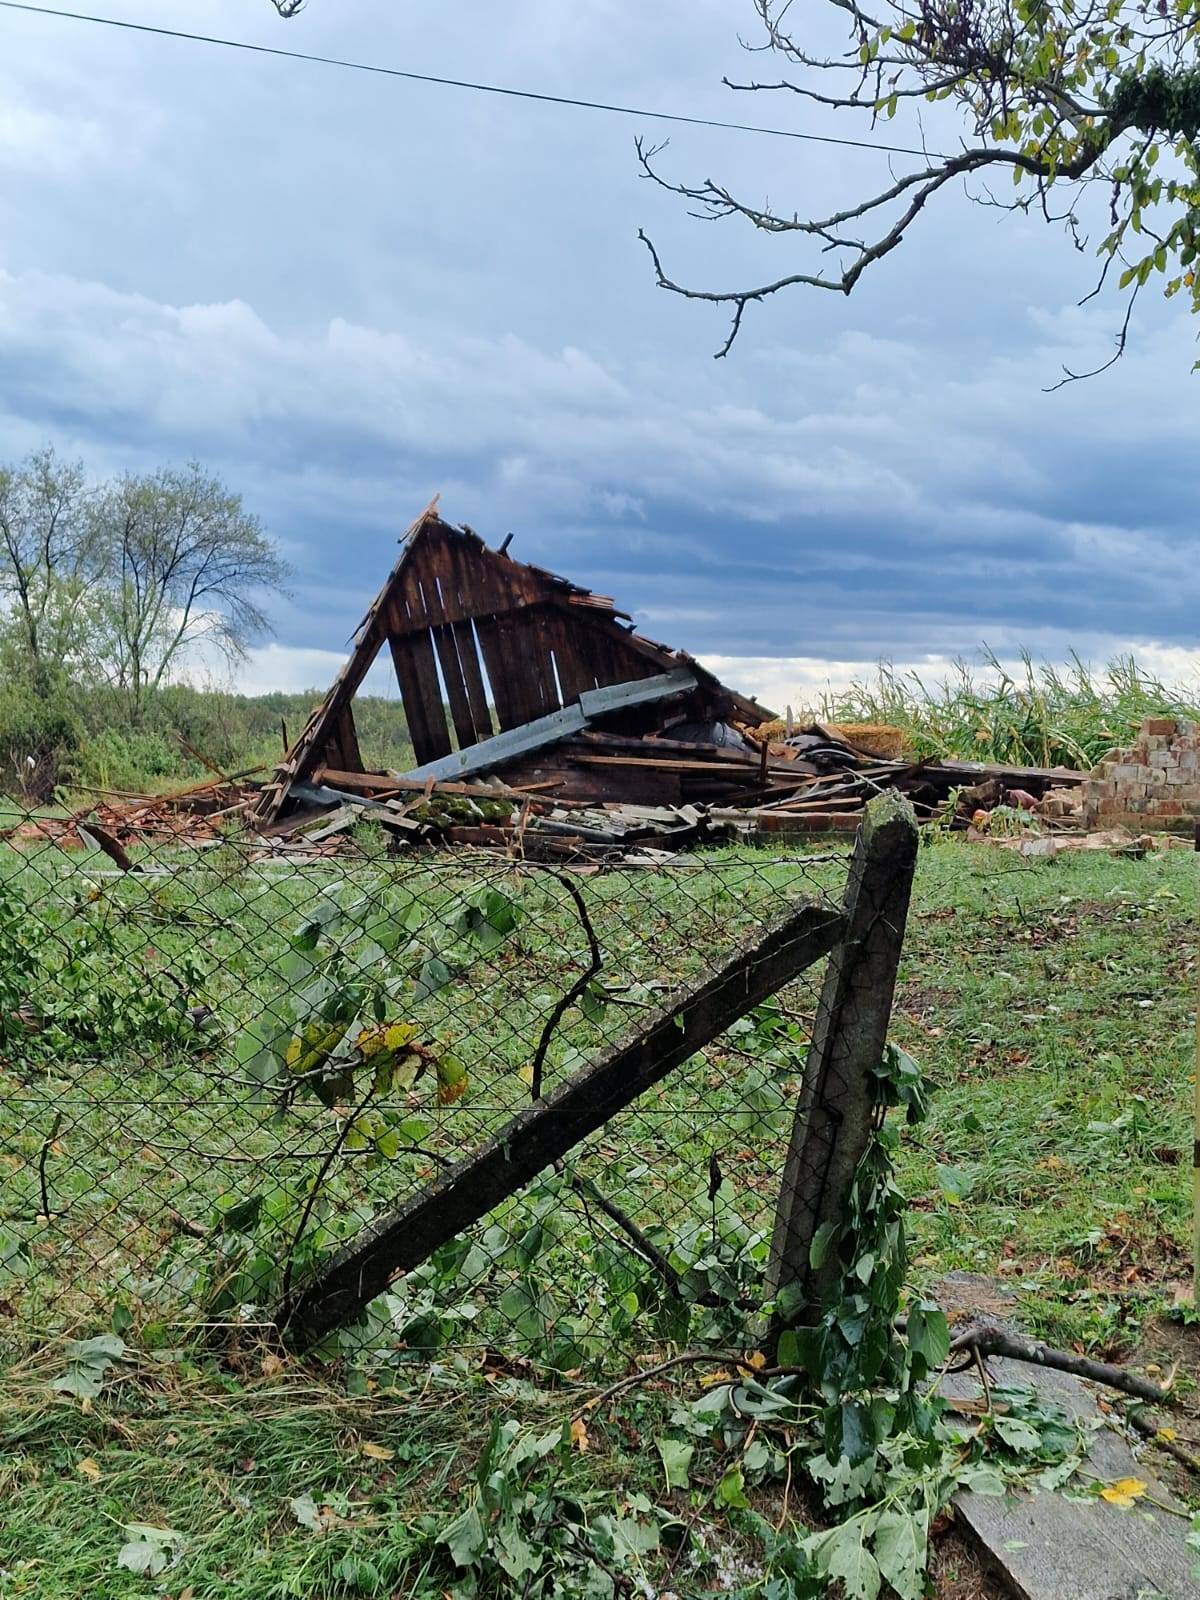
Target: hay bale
<point>764,732</point>
<point>876,738</point>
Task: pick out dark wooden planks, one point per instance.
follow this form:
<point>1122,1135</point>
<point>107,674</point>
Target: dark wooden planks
<point>505,693</point>
<point>574,672</point>
<point>347,740</point>
<point>456,688</point>
<point>416,673</point>
<point>468,657</point>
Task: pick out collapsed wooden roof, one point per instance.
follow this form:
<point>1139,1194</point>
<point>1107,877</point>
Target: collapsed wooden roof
<point>483,645</point>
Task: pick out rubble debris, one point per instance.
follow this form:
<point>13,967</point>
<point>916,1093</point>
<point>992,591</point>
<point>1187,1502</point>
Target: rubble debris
<point>1155,782</point>
<point>524,688</point>
<point>498,664</point>
<point>543,725</point>
<point>1061,805</point>
<point>191,816</point>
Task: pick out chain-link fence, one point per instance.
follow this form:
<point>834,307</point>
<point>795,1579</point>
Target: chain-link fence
<point>223,1069</point>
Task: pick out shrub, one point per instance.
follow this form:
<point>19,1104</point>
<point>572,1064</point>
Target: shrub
<point>39,736</point>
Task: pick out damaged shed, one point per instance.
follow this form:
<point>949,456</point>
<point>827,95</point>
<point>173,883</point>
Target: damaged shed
<point>534,708</point>
<point>510,671</point>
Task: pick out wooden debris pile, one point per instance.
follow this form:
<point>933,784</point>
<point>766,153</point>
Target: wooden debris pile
<point>192,816</point>
<point>553,726</point>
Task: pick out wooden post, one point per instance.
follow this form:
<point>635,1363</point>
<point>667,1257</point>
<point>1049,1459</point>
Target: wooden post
<point>540,1135</point>
<point>834,1115</point>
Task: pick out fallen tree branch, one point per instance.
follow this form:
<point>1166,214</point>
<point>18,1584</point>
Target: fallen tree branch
<point>991,1341</point>
<point>644,1246</point>
<point>1154,1431</point>
<point>688,1358</point>
<point>649,1251</point>
<point>569,997</point>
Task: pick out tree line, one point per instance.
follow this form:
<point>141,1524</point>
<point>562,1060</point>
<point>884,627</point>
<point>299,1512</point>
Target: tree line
<point>108,591</point>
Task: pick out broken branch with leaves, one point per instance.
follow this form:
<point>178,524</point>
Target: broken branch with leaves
<point>1068,98</point>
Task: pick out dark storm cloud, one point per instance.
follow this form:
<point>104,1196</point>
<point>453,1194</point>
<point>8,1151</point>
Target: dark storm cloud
<point>346,296</point>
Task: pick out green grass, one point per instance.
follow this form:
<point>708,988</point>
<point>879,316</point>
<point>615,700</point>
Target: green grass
<point>218,1452</point>
<point>1053,1005</point>
<point>1050,1001</point>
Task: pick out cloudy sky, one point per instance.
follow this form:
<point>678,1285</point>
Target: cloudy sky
<point>348,293</point>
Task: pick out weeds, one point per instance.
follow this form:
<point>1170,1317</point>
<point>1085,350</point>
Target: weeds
<point>1040,717</point>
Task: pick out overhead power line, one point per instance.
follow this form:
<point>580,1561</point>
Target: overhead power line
<point>465,83</point>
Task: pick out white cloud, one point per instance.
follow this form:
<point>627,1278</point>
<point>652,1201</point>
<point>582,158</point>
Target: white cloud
<point>346,293</point>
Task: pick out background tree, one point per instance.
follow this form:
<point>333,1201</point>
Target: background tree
<point>49,558</point>
<point>1057,100</point>
<point>185,560</point>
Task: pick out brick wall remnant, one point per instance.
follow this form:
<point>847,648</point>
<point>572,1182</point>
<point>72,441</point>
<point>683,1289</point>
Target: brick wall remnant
<point>1152,785</point>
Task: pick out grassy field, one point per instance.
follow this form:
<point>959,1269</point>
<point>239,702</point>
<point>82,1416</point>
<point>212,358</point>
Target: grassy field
<point>1051,1003</point>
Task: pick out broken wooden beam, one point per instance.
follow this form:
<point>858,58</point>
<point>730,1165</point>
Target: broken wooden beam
<point>392,783</point>
<point>538,1136</point>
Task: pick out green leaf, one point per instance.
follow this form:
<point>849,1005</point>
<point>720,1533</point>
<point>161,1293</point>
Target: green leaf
<point>1019,1436</point>
<point>433,975</point>
<point>307,1513</point>
<point>731,1490</point>
<point>928,1333</point>
<point>955,1183</point>
<point>515,1554</point>
<point>465,1538</point>
<point>983,1480</point>
<point>676,1459</point>
<point>789,1351</point>
<point>149,1551</point>
<point>88,1364</point>
<point>899,1545</point>
<point>842,1554</point>
<point>238,1216</point>
<point>819,1248</point>
<point>593,1002</point>
<point>849,1433</point>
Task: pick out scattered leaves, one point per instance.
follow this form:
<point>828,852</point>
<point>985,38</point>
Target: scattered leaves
<point>1125,1492</point>
<point>148,1550</point>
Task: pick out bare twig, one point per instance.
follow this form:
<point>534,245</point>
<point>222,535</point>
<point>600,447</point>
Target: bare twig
<point>989,1341</point>
<point>569,997</point>
<point>43,1156</point>
<point>317,1185</point>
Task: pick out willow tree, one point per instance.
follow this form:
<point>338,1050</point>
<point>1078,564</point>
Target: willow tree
<point>1051,103</point>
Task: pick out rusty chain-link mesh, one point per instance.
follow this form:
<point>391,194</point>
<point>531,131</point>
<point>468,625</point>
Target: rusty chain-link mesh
<point>221,1066</point>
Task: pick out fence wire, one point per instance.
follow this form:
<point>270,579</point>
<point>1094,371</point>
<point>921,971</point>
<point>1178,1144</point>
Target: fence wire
<point>222,1066</point>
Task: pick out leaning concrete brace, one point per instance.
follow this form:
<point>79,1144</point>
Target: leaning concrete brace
<point>836,1107</point>
<point>537,1137</point>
